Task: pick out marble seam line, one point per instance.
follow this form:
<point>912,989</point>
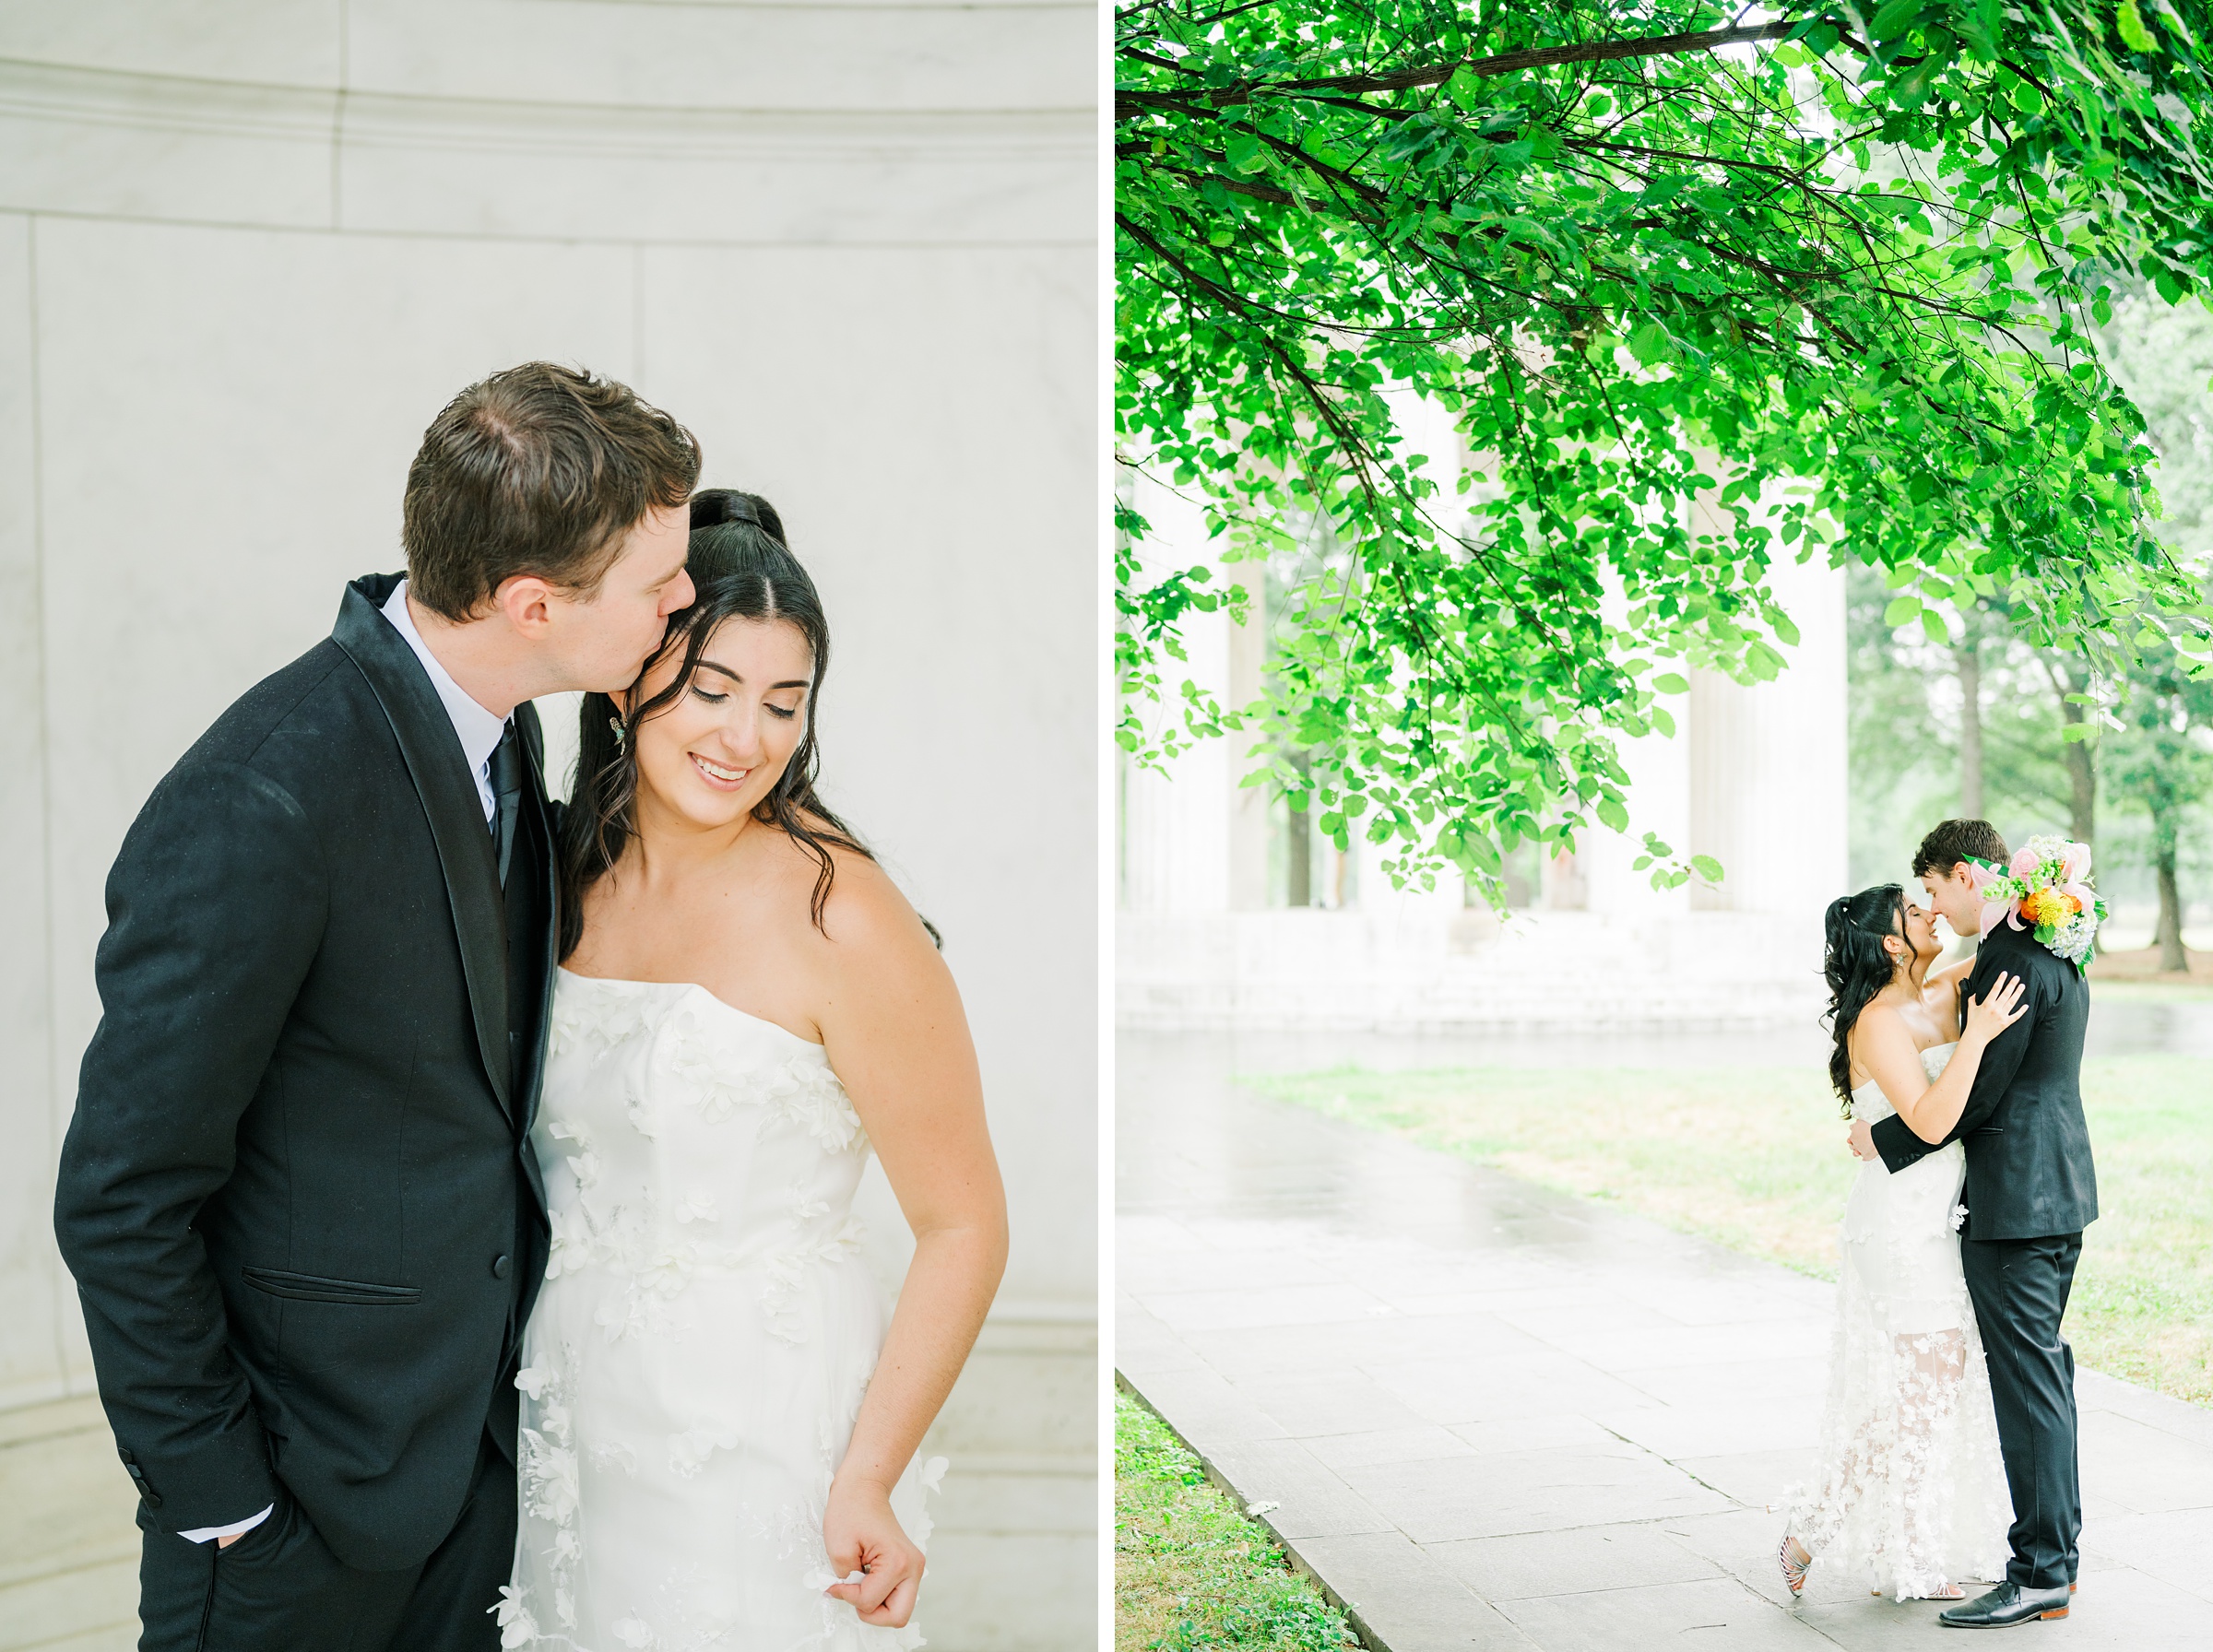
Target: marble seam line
<point>649,243</point>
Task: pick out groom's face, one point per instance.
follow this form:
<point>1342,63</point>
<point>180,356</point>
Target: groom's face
<point>604,639</point>
<point>1953,896</point>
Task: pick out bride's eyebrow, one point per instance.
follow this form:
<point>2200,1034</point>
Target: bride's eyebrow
<point>796,682</point>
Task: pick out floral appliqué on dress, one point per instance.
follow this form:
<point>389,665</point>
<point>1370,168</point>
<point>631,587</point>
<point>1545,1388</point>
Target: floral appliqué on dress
<point>704,1338</point>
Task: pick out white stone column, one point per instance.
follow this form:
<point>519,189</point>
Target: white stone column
<point>1176,824</point>
<point>1768,762</point>
<point>36,1301</point>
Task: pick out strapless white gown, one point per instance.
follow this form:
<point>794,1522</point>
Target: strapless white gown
<point>707,1328</point>
<point>1911,1487</point>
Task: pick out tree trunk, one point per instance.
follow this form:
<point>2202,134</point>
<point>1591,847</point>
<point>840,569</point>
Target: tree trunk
<point>2169,935</point>
<point>2082,788</point>
<point>1967,659</point>
<point>2082,772</point>
<point>1298,851</point>
<point>2173,956</point>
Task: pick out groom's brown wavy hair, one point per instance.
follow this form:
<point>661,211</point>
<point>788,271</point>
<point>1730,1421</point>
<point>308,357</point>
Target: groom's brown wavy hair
<point>1951,842</point>
<point>540,469</point>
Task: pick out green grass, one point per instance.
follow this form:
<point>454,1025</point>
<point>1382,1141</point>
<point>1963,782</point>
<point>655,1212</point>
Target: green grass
<point>1755,1158</point>
<point>1190,1570</point>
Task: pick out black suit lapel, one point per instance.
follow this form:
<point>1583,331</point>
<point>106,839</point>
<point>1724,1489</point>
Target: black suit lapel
<point>537,819</point>
<point>449,799</point>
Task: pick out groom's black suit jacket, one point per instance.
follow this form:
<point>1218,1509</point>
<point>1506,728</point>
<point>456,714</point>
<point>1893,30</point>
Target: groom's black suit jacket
<point>298,1194</point>
<point>2028,1171</point>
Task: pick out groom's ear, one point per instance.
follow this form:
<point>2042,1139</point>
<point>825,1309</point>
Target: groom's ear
<point>525,600</point>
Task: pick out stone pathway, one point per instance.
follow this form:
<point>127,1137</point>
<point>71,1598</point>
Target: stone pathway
<point>1490,1416</point>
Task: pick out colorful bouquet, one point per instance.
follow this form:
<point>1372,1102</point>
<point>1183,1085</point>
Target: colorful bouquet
<point>2049,884</point>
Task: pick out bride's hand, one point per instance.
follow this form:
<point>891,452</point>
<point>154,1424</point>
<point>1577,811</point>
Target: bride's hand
<point>1996,1009</point>
<point>863,1535</point>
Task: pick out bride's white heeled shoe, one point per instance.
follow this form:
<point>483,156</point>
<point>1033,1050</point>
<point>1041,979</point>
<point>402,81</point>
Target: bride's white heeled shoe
<point>1794,1571</point>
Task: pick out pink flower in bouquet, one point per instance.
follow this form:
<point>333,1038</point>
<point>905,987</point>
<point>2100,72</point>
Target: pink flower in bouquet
<point>2024,862</point>
<point>2075,866</point>
<point>1994,906</point>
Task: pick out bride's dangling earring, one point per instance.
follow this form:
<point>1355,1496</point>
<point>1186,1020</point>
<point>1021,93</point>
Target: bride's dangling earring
<point>622,735</point>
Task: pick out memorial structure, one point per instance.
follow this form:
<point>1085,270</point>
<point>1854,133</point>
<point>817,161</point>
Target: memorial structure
<point>1217,930</point>
<point>248,248</point>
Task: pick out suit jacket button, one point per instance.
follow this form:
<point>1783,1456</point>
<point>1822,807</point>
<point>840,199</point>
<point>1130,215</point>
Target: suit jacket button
<point>500,1266</point>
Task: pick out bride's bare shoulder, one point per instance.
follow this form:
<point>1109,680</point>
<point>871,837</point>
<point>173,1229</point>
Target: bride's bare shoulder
<point>1879,1014</point>
<point>1880,1023</point>
<point>864,911</point>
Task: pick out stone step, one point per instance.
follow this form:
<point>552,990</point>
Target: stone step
<point>68,1545</point>
<point>94,1609</point>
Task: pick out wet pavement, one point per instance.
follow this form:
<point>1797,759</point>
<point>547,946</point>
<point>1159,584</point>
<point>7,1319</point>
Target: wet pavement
<point>1488,1416</point>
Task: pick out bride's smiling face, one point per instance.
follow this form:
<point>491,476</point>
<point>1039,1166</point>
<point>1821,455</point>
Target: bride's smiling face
<point>1919,944</point>
<point>723,745</point>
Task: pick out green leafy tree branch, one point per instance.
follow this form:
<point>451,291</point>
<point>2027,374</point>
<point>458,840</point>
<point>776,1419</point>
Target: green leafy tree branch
<point>1832,277</point>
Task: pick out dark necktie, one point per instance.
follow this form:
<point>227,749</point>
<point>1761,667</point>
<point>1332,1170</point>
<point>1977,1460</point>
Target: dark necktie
<point>506,795</point>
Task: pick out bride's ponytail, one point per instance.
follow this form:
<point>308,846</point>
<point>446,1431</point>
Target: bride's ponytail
<point>1857,966</point>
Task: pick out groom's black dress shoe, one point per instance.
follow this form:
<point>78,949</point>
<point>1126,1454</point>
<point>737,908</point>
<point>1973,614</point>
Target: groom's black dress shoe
<point>2007,1604</point>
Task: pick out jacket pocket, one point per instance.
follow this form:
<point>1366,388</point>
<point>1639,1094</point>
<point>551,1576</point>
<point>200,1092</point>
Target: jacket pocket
<point>308,1287</point>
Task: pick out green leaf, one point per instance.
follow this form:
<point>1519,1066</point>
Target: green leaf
<point>1610,810</point>
<point>1894,17</point>
<point>1932,626</point>
<point>1901,610</point>
<point>2134,35</point>
<point>1245,153</point>
<point>1671,683</point>
<point>1651,344</point>
<point>1706,867</point>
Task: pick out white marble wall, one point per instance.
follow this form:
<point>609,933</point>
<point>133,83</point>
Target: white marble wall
<point>249,247</point>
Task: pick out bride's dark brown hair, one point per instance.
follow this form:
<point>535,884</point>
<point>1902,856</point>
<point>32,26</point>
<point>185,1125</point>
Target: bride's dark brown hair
<point>1857,966</point>
<point>740,570</point>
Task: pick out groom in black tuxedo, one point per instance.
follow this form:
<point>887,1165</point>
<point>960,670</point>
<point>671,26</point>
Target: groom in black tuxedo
<point>2030,1191</point>
<point>298,1194</point>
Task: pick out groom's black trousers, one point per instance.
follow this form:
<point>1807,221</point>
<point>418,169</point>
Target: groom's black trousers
<point>2019,1288</point>
<point>280,1588</point>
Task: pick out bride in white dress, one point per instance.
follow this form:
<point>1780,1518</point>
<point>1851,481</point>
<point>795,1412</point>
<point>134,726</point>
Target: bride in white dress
<point>717,1431</point>
<point>1910,1491</point>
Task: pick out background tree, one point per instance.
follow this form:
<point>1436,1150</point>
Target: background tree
<point>1909,732</point>
<point>2162,757</point>
<point>1834,273</point>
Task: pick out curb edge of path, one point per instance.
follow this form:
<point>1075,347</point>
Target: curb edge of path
<point>1221,1481</point>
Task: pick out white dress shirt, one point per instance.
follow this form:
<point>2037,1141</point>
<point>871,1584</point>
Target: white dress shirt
<point>479,733</point>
